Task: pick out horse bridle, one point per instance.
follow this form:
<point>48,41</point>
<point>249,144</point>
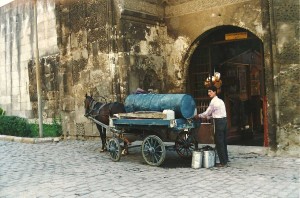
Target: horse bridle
<point>92,105</point>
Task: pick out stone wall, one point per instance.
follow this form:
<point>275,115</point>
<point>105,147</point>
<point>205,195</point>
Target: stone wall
<point>49,84</point>
<point>17,41</point>
<point>87,60</point>
<point>153,57</point>
<point>109,48</point>
<point>286,44</point>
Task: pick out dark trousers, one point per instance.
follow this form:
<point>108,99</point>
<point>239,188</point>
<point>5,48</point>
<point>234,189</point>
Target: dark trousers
<point>221,139</point>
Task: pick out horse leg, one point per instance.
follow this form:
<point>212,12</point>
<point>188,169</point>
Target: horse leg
<point>125,150</point>
<point>102,132</point>
<point>103,139</point>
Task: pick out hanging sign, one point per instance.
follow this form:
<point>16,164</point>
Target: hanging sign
<point>235,36</point>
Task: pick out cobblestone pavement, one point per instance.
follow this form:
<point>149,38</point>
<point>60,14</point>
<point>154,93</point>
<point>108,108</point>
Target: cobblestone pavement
<point>77,169</point>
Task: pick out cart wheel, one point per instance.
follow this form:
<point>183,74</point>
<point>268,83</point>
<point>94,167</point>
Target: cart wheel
<point>153,150</point>
<point>114,149</point>
<point>185,144</point>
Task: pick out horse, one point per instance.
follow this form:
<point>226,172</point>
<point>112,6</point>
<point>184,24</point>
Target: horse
<point>102,112</point>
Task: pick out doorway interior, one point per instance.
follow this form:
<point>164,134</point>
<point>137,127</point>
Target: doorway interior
<point>237,55</point>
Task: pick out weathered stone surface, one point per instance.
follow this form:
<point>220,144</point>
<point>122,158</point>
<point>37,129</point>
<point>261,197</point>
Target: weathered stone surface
<point>17,73</point>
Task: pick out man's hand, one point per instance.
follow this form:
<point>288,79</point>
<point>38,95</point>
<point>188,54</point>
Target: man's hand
<point>196,117</point>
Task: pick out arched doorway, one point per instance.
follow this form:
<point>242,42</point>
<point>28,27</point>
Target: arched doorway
<point>237,54</point>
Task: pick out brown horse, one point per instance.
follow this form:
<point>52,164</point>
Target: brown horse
<point>102,112</point>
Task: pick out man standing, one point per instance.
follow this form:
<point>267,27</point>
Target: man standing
<point>217,111</point>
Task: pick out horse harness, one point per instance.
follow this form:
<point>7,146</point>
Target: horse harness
<point>97,111</point>
<point>93,107</point>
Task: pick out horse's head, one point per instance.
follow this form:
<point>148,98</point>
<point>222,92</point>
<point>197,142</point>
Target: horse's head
<point>87,103</point>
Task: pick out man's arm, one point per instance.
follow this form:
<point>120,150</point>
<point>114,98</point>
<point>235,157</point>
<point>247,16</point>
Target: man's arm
<point>207,113</point>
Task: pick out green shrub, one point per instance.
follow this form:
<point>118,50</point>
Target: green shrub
<point>16,126</point>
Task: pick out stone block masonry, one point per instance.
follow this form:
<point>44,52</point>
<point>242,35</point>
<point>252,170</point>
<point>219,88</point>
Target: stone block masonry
<point>17,40</point>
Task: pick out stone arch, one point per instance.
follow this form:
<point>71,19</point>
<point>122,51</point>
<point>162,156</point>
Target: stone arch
<point>230,49</point>
<point>206,31</point>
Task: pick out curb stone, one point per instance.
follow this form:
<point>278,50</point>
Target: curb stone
<point>28,140</point>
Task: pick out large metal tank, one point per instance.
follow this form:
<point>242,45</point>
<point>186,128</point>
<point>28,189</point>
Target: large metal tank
<point>182,104</point>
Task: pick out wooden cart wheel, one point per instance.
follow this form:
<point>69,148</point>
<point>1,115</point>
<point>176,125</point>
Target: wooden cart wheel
<point>185,144</point>
<point>114,149</point>
<point>153,150</point>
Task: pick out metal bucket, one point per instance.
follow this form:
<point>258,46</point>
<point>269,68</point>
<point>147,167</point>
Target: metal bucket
<point>208,159</point>
<point>197,159</point>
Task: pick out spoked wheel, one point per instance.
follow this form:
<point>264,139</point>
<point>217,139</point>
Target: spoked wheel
<point>114,149</point>
<point>153,150</point>
<point>185,144</point>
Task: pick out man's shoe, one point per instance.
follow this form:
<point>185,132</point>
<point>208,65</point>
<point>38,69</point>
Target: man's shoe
<point>220,165</point>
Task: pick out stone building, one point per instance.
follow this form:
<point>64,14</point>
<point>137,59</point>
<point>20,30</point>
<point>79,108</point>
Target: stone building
<point>109,48</point>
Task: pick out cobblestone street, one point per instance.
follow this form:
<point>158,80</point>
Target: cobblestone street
<point>77,169</point>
